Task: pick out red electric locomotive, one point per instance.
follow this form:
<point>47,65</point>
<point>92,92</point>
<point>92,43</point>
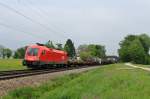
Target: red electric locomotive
<point>41,56</point>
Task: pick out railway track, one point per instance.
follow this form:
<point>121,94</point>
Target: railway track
<point>5,75</point>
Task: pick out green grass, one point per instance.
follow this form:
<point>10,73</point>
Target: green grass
<point>11,64</point>
<point>107,82</point>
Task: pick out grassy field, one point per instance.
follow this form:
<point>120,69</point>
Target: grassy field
<point>11,64</point>
<point>108,82</point>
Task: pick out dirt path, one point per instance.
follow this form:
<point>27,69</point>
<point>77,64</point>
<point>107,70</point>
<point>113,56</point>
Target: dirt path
<point>36,80</point>
<point>134,66</point>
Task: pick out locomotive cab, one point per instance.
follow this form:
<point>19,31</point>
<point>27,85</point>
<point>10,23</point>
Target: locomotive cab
<point>32,56</point>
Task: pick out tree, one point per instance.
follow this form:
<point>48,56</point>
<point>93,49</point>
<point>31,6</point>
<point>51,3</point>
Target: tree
<point>91,51</point>
<point>1,50</point>
<point>8,52</point>
<point>50,44</point>
<point>82,48</point>
<point>135,48</point>
<point>20,53</point>
<point>5,52</point>
<point>59,46</point>
<point>137,53</point>
<point>85,56</point>
<point>97,50</point>
<point>145,40</point>
<point>70,49</point>
<point>127,40</point>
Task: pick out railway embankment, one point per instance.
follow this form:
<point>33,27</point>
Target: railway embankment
<point>116,81</point>
<point>35,80</point>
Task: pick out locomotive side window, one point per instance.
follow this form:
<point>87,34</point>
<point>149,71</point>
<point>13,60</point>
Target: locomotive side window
<point>43,52</point>
<point>33,51</point>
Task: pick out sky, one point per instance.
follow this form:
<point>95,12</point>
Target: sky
<point>104,22</point>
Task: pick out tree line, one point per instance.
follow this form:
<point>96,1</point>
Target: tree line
<point>5,52</point>
<point>8,53</point>
<point>133,48</point>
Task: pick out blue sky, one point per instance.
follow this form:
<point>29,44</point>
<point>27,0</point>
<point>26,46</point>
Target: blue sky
<point>103,22</point>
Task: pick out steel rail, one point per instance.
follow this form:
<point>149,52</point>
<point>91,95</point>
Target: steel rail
<point>5,75</point>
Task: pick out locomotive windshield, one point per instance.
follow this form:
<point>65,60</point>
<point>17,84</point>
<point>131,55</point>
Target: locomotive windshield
<point>32,51</point>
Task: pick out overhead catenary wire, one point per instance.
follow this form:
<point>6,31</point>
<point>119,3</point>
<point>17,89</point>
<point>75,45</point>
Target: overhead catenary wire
<point>28,18</point>
<point>42,13</point>
<point>12,28</point>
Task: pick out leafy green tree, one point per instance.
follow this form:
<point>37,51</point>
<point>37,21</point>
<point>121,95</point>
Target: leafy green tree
<point>20,53</point>
<point>97,50</point>
<point>136,52</point>
<point>50,44</point>
<point>127,40</point>
<point>1,50</point>
<point>83,48</point>
<point>89,51</point>
<point>145,40</point>
<point>70,49</point>
<point>147,59</point>
<point>8,52</point>
<point>135,48</point>
<point>16,55</point>
<point>85,55</point>
<point>5,52</point>
<point>59,46</point>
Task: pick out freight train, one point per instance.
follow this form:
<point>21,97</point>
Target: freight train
<point>40,56</point>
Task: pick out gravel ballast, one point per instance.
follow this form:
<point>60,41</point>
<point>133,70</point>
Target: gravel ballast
<point>36,80</point>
